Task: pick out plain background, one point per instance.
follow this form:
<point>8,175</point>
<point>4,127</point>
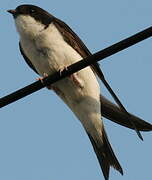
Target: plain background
<point>40,138</point>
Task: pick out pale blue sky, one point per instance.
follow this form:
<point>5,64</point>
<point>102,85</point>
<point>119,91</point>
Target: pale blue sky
<point>40,138</point>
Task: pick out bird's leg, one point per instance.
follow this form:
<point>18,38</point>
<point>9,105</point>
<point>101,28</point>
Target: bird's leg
<point>73,77</point>
<point>51,87</point>
<point>41,79</point>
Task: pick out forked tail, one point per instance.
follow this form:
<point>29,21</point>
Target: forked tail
<point>105,154</point>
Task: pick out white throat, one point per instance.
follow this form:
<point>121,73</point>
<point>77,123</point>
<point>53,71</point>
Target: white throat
<point>28,26</point>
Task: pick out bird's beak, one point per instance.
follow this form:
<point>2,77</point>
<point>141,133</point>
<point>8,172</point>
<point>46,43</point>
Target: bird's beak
<point>12,11</point>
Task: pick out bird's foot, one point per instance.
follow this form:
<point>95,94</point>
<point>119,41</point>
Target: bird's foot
<point>72,77</point>
<point>61,69</point>
<point>41,79</point>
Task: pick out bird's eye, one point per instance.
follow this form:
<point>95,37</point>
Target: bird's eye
<point>32,11</point>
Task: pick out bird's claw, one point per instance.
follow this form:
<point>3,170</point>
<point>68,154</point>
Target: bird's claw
<point>62,69</point>
<point>41,79</point>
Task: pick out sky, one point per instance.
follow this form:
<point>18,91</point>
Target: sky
<point>40,138</point>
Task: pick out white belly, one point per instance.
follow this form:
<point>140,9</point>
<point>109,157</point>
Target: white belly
<point>50,53</point>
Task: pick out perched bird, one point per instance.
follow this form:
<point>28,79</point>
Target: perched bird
<point>49,45</point>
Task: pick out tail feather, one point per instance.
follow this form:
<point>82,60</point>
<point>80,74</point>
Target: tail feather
<point>115,114</point>
<point>105,155</point>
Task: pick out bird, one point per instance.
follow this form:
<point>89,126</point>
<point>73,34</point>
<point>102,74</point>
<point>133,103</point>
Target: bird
<point>49,45</point>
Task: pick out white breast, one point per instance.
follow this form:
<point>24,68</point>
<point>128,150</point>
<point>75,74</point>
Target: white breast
<point>48,52</point>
